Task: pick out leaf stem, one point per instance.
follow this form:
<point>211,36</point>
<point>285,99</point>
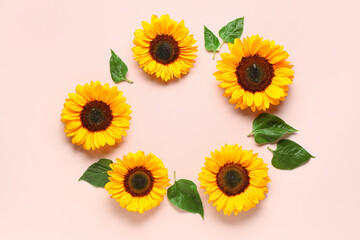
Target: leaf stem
<point>271,150</point>
<point>129,81</point>
<point>222,43</point>
<point>215,51</point>
<point>175,176</point>
<point>250,134</point>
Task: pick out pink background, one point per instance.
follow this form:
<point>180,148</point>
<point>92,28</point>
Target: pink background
<point>48,47</point>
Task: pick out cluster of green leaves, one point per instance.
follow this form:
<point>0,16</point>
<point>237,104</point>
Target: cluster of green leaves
<point>182,194</point>
<point>228,33</point>
<point>268,128</point>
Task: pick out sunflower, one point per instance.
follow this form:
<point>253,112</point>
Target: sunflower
<point>96,115</point>
<point>138,182</point>
<point>235,179</point>
<point>255,73</point>
<point>164,48</point>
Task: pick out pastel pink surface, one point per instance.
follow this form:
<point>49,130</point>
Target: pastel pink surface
<point>48,47</point>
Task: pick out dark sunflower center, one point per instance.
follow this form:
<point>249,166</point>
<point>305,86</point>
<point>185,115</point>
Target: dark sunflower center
<point>164,49</point>
<point>138,182</point>
<point>254,73</point>
<point>232,179</point>
<point>96,116</point>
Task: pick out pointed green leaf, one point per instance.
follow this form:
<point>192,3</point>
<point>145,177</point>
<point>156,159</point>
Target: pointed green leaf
<point>184,195</point>
<point>232,30</point>
<point>289,155</point>
<point>96,174</point>
<point>268,128</point>
<point>118,69</point>
<point>211,41</point>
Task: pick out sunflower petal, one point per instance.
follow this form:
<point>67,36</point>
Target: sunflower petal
<point>274,91</point>
<point>258,99</point>
<point>281,81</point>
<point>283,72</point>
<point>77,98</point>
<point>148,29</point>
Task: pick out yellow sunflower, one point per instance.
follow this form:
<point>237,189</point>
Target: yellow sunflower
<point>96,115</point>
<point>235,179</point>
<point>138,182</point>
<point>164,48</point>
<point>255,73</point>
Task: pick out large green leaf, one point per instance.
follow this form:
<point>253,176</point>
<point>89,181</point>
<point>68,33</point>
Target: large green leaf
<point>232,30</point>
<point>289,155</point>
<point>118,69</point>
<point>96,174</point>
<point>211,41</point>
<point>184,195</point>
<point>268,128</point>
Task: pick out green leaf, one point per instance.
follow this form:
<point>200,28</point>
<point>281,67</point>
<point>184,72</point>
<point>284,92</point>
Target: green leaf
<point>96,174</point>
<point>211,41</point>
<point>184,195</point>
<point>232,30</point>
<point>289,155</point>
<point>118,69</point>
<point>268,128</point>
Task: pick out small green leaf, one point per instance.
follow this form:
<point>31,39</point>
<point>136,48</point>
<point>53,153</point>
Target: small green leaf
<point>211,41</point>
<point>184,195</point>
<point>289,155</point>
<point>232,30</point>
<point>118,69</point>
<point>268,128</point>
<point>96,174</point>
